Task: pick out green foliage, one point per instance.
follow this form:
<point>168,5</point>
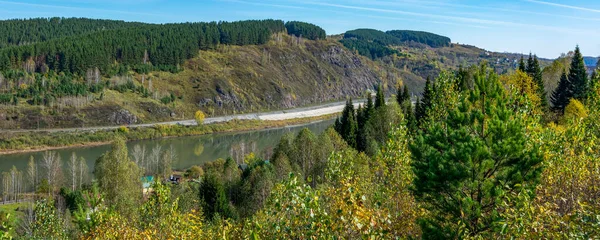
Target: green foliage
<point>18,32</point>
<point>346,125</point>
<point>368,49</point>
<point>402,95</point>
<point>430,39</point>
<point>167,45</point>
<point>534,71</point>
<point>465,164</point>
<point>578,76</point>
<point>562,94</point>
<point>47,224</point>
<point>6,226</point>
<point>213,198</point>
<point>119,179</point>
<point>379,98</point>
<point>522,67</point>
<point>425,103</point>
<point>376,44</point>
<point>306,30</point>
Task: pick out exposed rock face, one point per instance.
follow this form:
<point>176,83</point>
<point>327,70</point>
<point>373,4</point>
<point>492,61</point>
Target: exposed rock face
<point>289,76</point>
<point>123,117</point>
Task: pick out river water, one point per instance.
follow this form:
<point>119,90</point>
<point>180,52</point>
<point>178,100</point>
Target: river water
<point>189,151</point>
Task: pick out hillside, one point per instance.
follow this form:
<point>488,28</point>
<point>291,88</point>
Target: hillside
<point>424,54</point>
<point>107,72</point>
<point>284,73</point>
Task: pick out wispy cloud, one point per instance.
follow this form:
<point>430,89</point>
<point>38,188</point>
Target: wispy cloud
<point>426,21</point>
<point>452,18</point>
<point>266,4</point>
<point>496,9</point>
<point>78,8</point>
<point>564,6</point>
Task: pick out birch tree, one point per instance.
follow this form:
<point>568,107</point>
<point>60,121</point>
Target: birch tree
<point>155,158</point>
<point>52,165</point>
<point>32,173</point>
<point>83,171</point>
<point>73,171</point>
<point>138,155</point>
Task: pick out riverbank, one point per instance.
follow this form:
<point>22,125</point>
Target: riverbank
<point>24,142</point>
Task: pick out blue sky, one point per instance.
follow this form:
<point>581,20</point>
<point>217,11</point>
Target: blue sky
<point>545,27</point>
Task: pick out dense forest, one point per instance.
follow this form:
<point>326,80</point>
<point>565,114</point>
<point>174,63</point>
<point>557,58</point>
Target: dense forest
<point>163,46</point>
<point>306,30</point>
<point>376,44</point>
<point>19,32</point>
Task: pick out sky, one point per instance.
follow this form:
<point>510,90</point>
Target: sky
<point>544,27</point>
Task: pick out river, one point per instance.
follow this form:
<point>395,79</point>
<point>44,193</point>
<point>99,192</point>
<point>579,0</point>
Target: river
<point>189,151</point>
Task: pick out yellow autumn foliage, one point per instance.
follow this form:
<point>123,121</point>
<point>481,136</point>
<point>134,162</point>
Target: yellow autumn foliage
<point>574,111</point>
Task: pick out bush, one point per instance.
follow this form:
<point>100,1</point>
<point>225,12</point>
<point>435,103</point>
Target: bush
<point>199,116</point>
<point>574,111</point>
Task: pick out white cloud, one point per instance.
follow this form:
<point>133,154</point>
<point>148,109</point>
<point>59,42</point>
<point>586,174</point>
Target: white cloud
<point>564,6</point>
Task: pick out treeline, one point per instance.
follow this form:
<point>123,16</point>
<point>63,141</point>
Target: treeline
<point>430,39</point>
<point>17,32</point>
<point>376,44</point>
<point>164,46</point>
<point>305,30</point>
<point>366,128</point>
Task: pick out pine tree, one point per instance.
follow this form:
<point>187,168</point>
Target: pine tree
<point>379,98</point>
<point>348,127</point>
<point>469,163</point>
<point>578,76</point>
<point>361,120</point>
<point>562,94</point>
<point>535,72</point>
<point>522,65</point>
<point>370,107</point>
<point>464,78</point>
<point>403,95</point>
<point>421,111</point>
<point>213,197</point>
<point>409,115</point>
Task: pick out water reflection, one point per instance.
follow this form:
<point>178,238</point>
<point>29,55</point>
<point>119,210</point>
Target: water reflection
<point>187,151</point>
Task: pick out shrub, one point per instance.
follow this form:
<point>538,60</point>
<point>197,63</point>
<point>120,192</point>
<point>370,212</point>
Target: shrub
<point>199,116</point>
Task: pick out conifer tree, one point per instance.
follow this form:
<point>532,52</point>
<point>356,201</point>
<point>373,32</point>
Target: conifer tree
<point>348,127</point>
<point>467,164</point>
<point>409,115</point>
<point>562,94</point>
<point>578,78</point>
<point>535,72</point>
<point>361,120</point>
<point>522,65</point>
<point>403,95</point>
<point>213,198</point>
<point>370,107</point>
<point>421,111</point>
<point>379,98</point>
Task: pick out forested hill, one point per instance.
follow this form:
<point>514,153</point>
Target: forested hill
<point>19,32</point>
<point>376,44</point>
<point>165,46</point>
